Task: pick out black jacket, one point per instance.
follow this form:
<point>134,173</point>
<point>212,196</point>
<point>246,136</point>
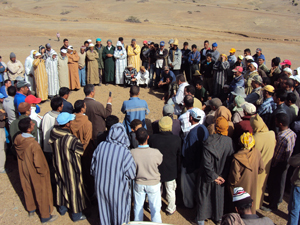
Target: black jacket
<point>170,146</point>
<point>207,69</point>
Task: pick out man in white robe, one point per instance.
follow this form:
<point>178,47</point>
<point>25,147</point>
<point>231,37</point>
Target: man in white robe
<point>143,77</point>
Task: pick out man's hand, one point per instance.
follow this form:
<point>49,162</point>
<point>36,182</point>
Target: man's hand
<point>109,100</point>
<point>219,180</point>
<point>2,111</point>
<point>133,79</point>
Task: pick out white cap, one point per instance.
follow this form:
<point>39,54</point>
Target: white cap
<point>89,40</point>
<point>63,51</point>
<point>249,57</point>
<point>255,65</point>
<point>249,108</point>
<point>290,71</point>
<point>91,45</point>
<point>296,78</point>
<point>38,54</point>
<point>70,47</point>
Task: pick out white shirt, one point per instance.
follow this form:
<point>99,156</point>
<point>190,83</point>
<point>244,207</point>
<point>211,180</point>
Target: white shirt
<point>178,99</point>
<point>186,126</point>
<point>160,62</point>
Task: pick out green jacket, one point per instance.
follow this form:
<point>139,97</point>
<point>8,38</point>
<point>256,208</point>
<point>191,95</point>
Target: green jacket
<point>100,59</point>
<point>14,128</point>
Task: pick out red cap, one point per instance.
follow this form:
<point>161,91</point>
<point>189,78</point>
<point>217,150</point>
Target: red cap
<point>286,62</point>
<point>238,68</point>
<point>145,42</point>
<point>31,99</point>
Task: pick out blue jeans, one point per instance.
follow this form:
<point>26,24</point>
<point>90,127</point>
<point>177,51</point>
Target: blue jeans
<point>294,206</point>
<point>74,216</point>
<point>154,198</point>
<point>151,73</point>
<point>82,76</point>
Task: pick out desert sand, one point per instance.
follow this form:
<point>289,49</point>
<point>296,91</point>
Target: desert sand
<point>272,25</point>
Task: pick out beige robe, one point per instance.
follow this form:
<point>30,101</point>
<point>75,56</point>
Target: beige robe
<point>63,71</point>
<point>15,69</point>
<point>73,70</point>
<point>92,67</point>
<point>34,175</point>
<point>134,57</point>
<point>248,80</point>
<point>265,142</point>
<point>41,79</point>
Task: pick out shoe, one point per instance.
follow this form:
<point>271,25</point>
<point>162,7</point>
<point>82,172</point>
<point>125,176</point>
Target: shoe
<point>31,214</point>
<point>6,171</point>
<point>170,214</point>
<point>267,209</point>
<point>83,217</point>
<point>106,84</point>
<point>52,218</point>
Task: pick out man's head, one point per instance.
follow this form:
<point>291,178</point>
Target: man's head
<point>133,42</point>
<point>185,45</point>
<point>208,57</point>
<point>194,48</point>
<point>261,59</point>
<point>65,119</point>
<point>24,108</point>
<point>64,92</point>
<point>290,84</point>
<point>142,136</point>
<point>290,99</point>
<point>280,96</point>
<point>240,59</point>
<point>98,42</point>
<point>63,52</point>
<point>48,47</point>
<point>82,49</point>
<point>180,79</point>
<point>249,108</point>
<point>214,46</point>
<point>168,110</point>
<point>256,81</point>
<point>12,57</point>
<point>253,67</point>
<point>162,45</point>
<point>237,71</point>
<point>91,47</point>
<point>70,49</point>
<point>242,201</point>
<point>282,121</point>
<point>26,125</point>
<point>66,42</point>
<point>206,44</point>
<point>143,69</point>
<point>232,51</point>
<point>189,90</point>
<point>214,103</point>
<point>268,91</point>
<point>109,42</point>
<point>11,91</point>
<point>171,43</point>
<point>266,81</point>
<point>145,43</point>
<point>195,116</point>
<point>89,90</point>
<point>23,87</point>
<point>86,44</point>
<point>110,121</point>
<point>135,125</point>
<point>57,104</point>
<point>121,40</point>
<point>288,71</point>
<point>7,83</point>
<point>275,62</point>
<point>199,84</point>
<point>188,102</point>
<point>165,124</point>
<point>286,64</point>
<point>134,91</point>
<point>79,106</point>
<point>247,51</point>
<point>258,51</point>
<point>166,69</point>
<point>32,100</point>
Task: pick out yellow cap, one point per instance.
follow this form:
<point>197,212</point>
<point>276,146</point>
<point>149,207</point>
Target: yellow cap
<point>232,50</point>
<point>269,88</point>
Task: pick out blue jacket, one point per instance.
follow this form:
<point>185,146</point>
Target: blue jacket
<point>3,91</point>
<point>195,56</point>
<point>1,72</point>
<point>237,82</point>
<point>134,108</point>
<point>21,98</point>
<point>164,76</point>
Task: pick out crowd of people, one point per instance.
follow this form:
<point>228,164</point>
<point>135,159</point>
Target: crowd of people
<point>228,134</point>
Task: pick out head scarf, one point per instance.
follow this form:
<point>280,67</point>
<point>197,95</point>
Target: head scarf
<point>224,112</point>
<point>239,100</point>
<point>257,124</point>
<point>119,44</point>
<point>221,126</point>
<point>225,57</point>
<point>117,135</point>
<point>165,124</point>
<point>247,140</point>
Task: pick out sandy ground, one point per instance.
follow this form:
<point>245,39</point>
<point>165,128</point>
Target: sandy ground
<point>272,25</point>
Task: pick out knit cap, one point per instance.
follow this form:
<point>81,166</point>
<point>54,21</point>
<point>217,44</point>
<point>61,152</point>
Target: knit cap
<point>221,126</point>
<point>165,124</point>
<point>240,197</point>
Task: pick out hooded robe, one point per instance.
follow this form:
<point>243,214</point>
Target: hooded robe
<point>29,70</point>
<point>113,168</point>
<point>52,71</point>
<point>73,70</point>
<point>92,67</point>
<point>63,71</point>
<point>121,62</point>
<point>41,79</point>
<point>134,57</point>
<point>109,64</point>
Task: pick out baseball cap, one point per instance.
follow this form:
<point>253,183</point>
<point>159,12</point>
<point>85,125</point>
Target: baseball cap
<point>171,41</point>
<point>240,197</point>
<point>258,50</point>
<point>286,62</point>
<point>145,42</point>
<point>239,91</point>
<point>31,99</point>
<point>196,113</point>
<point>269,88</point>
<point>249,108</point>
<point>232,50</point>
<point>162,43</point>
<point>261,57</point>
<point>70,47</point>
<point>241,57</point>
<point>168,110</point>
<point>214,102</point>
<point>214,44</point>
<point>2,96</point>
<point>23,107</point>
<point>166,68</point>
<point>22,83</point>
<point>64,118</point>
<point>63,51</point>
<point>238,69</point>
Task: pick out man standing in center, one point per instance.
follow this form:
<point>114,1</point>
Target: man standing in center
<point>99,48</point>
<point>73,59</point>
<point>134,52</point>
<point>41,77</point>
<point>67,152</point>
<point>96,111</point>
<point>174,59</point>
<point>92,65</point>
<point>109,63</point>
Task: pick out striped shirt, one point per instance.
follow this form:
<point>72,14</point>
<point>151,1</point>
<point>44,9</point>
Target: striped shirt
<point>284,146</point>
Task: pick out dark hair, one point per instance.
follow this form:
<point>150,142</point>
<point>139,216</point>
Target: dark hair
<point>134,90</point>
<point>156,45</point>
<point>283,119</point>
<point>245,206</point>
<point>56,103</point>
<point>78,105</point>
<point>152,43</point>
<point>180,77</point>
<point>199,82</point>
<point>185,43</point>
<point>86,42</point>
<point>276,61</point>
<point>283,77</point>
<point>266,80</point>
<point>110,121</point>
<point>290,82</point>
<point>206,41</point>
<point>64,91</point>
<point>6,81</point>
<point>188,101</point>
<point>65,40</point>
<point>190,89</point>
<point>208,55</point>
<point>121,39</point>
<point>194,46</point>
<point>291,97</point>
<point>88,89</point>
<point>141,135</point>
<point>134,123</point>
<point>11,91</point>
<point>247,50</point>
<point>24,124</point>
<point>281,94</point>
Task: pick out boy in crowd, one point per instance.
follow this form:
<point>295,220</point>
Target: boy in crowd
<point>201,92</point>
<point>290,102</point>
<point>134,125</point>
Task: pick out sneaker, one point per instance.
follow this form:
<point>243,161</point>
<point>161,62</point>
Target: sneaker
<point>170,214</point>
<point>52,218</point>
<point>83,217</point>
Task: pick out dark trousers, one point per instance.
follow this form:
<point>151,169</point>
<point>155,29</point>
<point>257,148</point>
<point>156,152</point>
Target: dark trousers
<point>74,216</point>
<point>193,69</point>
<point>276,184</point>
<point>186,69</point>
<point>176,72</point>
<point>157,75</point>
<point>100,75</point>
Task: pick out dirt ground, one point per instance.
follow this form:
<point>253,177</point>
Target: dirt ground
<point>272,25</point>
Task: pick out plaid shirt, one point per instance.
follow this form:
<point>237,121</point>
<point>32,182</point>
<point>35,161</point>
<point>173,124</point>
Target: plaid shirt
<point>284,146</point>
